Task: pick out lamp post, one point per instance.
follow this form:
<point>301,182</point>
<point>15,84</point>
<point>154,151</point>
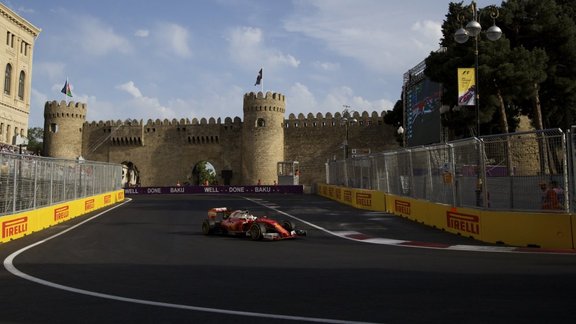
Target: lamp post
<point>400,132</point>
<point>473,29</point>
<point>347,120</point>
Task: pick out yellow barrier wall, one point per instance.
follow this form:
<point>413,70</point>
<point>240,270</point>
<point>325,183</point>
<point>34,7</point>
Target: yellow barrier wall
<point>21,224</point>
<point>359,198</point>
<point>545,230</point>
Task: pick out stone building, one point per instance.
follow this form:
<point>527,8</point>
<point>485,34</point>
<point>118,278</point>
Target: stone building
<point>246,152</point>
<point>17,38</point>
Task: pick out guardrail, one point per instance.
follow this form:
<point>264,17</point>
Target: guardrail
<point>29,182</point>
<point>500,172</point>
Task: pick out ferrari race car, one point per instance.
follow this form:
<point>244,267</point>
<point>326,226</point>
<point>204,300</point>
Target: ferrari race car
<point>242,223</point>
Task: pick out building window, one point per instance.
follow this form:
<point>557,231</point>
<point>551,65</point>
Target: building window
<point>260,122</point>
<point>24,48</point>
<point>21,85</point>
<point>10,39</point>
<point>54,128</point>
<point>7,78</point>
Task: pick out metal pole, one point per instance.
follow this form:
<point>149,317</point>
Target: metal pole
<point>477,94</point>
<point>346,142</point>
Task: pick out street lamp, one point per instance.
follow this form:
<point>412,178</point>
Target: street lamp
<point>346,121</point>
<point>473,29</point>
<point>400,132</point>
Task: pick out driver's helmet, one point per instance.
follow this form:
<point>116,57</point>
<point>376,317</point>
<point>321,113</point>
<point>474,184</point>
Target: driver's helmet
<point>243,214</point>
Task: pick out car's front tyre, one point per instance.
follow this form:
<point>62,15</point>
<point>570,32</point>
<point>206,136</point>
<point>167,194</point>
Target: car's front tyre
<point>289,225</point>
<point>257,231</point>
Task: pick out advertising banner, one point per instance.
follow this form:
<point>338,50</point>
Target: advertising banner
<point>466,87</point>
<point>423,102</point>
<point>213,190</point>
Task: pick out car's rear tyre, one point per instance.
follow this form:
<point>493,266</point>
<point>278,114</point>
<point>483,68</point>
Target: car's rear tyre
<point>289,225</point>
<point>207,227</point>
<point>257,231</point>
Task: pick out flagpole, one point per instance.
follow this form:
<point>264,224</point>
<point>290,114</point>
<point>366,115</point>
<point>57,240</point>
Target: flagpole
<point>262,83</point>
<point>260,80</point>
<point>65,85</point>
<point>66,90</point>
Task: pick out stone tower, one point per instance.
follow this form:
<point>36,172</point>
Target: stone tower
<point>63,124</point>
<point>262,136</point>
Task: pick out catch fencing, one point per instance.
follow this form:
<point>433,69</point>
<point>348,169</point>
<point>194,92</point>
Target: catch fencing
<point>28,182</point>
<point>500,172</point>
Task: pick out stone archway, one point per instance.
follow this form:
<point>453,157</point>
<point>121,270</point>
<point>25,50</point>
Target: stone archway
<point>130,175</point>
<point>204,173</point>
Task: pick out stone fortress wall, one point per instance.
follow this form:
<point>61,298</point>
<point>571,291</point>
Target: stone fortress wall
<point>166,152</point>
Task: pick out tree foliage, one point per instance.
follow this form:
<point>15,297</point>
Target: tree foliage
<point>35,140</point>
<point>395,117</point>
<point>206,173</point>
<point>530,71</point>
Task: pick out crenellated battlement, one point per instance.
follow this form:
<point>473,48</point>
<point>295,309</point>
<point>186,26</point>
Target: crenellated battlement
<point>270,102</point>
<point>363,119</point>
<point>159,123</point>
<point>251,96</point>
<point>63,109</point>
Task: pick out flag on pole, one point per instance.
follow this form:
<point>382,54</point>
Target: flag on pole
<point>258,78</point>
<point>66,89</point>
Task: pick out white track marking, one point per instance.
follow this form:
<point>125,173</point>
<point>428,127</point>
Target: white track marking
<point>9,265</point>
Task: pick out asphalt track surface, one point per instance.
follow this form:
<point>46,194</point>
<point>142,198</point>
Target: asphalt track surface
<point>146,261</point>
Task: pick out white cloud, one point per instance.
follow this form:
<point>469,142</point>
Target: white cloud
<point>130,88</point>
<point>37,102</point>
<point>19,9</point>
<point>142,33</point>
<point>327,66</point>
<point>24,10</point>
<point>246,46</point>
<point>141,106</point>
<point>427,34</point>
<point>97,38</point>
<point>388,41</point>
<point>301,100</point>
<point>52,70</point>
<point>213,104</point>
<point>150,108</point>
<point>174,38</point>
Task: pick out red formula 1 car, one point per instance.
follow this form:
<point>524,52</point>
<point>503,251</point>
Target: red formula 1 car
<point>242,223</point>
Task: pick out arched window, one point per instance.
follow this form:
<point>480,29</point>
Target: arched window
<point>7,78</point>
<point>21,85</point>
<point>260,122</point>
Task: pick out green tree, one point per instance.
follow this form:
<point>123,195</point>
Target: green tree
<point>531,70</point>
<point>547,25</point>
<point>35,140</point>
<point>442,66</point>
<point>395,117</point>
<point>205,172</point>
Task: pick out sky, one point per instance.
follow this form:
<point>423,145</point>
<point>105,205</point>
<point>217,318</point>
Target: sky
<point>174,59</point>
